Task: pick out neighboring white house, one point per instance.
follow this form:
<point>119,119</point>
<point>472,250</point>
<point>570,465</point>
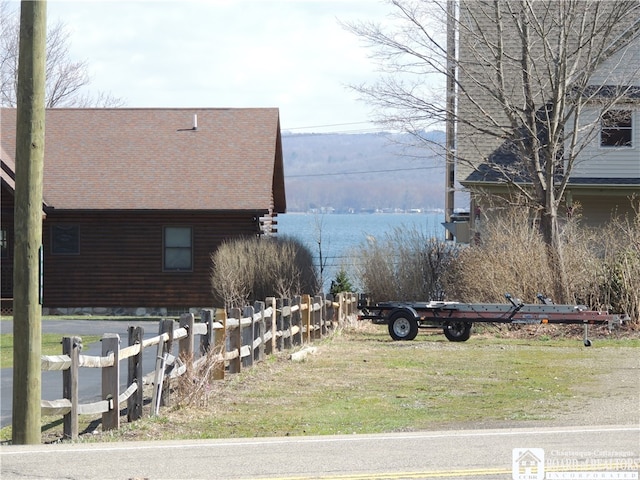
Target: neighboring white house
<point>606,173</point>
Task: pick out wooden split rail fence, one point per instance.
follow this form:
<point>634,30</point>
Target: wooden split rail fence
<point>240,336</point>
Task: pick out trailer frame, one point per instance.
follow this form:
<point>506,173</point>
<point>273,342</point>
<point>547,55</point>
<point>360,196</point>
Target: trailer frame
<point>456,319</point>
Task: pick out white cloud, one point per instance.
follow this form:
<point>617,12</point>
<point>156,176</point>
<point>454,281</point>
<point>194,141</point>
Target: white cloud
<point>288,54</point>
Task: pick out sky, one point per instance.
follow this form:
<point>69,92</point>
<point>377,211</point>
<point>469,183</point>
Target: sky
<point>292,54</point>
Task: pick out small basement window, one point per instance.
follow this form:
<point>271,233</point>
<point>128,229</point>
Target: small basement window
<point>617,129</point>
<point>65,239</point>
<point>178,248</point>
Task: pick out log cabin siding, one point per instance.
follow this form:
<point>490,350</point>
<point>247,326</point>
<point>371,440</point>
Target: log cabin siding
<point>6,262</point>
<point>120,263</point>
<point>113,173</point>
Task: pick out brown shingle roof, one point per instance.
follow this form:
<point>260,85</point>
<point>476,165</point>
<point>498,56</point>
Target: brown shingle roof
<point>151,158</point>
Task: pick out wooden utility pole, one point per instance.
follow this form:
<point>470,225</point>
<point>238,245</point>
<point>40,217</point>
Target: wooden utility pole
<point>450,173</point>
<point>27,298</point>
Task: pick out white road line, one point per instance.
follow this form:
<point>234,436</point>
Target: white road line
<point>178,444</point>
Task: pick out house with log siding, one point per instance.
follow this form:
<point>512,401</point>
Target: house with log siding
<point>137,199</point>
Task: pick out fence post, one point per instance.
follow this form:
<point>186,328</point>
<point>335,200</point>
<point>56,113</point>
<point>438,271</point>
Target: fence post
<point>286,323</point>
<point>111,381</point>
<point>325,317</point>
<point>71,346</point>
<point>306,318</point>
<point>346,310</point>
<point>248,335</point>
<point>313,318</point>
<point>185,345</point>
<point>206,316</point>
<point>166,326</point>
<point>220,343</point>
<point>135,401</point>
<point>279,324</point>
<point>328,311</point>
<point>271,348</point>
<point>332,320</point>
<point>317,319</point>
<point>235,364</point>
<point>259,332</point>
<point>295,321</point>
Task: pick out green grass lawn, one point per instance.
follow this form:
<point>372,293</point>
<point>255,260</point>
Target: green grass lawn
<point>360,381</point>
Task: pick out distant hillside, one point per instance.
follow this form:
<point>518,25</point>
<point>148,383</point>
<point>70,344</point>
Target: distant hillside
<point>363,171</point>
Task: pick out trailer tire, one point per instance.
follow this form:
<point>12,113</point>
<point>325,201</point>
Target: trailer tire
<point>457,331</point>
<point>403,325</point>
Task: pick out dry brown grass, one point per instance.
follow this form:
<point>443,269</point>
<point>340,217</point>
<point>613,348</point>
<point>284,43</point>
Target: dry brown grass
<point>194,387</point>
<point>602,265</point>
<point>510,259</point>
<point>406,264</point>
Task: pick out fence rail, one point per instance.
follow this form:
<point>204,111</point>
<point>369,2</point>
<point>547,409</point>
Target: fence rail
<point>240,336</point>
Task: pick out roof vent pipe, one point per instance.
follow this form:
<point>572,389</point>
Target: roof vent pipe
<point>195,121</point>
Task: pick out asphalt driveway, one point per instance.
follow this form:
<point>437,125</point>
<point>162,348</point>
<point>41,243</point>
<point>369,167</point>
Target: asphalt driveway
<point>89,383</point>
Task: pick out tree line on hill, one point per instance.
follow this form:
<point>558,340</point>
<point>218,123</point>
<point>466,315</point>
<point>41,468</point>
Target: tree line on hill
<point>363,172</point>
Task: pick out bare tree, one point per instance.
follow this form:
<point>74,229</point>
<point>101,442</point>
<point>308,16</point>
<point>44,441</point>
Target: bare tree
<point>66,78</point>
<point>526,73</point>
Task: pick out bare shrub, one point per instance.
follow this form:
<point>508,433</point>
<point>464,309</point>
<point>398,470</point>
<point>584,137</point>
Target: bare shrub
<point>194,387</point>
<point>249,269</point>
<point>583,262</point>
<point>511,258</point>
<point>407,264</point>
<point>620,274</point>
<point>602,264</point>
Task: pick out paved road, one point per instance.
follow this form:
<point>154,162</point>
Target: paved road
<point>486,454</point>
<point>89,383</point>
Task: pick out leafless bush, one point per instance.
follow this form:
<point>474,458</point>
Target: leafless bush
<point>407,264</point>
<point>602,264</point>
<point>511,258</point>
<point>249,269</point>
<point>620,274</point>
<point>194,387</point>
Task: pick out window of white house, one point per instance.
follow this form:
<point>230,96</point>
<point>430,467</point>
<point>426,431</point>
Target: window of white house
<point>65,239</point>
<point>178,249</point>
<point>617,129</point>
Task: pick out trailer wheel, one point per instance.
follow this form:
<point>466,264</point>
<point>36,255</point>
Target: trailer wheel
<point>457,331</point>
<point>403,325</point>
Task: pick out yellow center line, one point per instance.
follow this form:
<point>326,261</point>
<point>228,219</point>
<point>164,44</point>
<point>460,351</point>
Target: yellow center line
<point>404,475</point>
<point>471,472</point>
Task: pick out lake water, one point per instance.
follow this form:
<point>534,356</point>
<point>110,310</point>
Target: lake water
<point>340,234</point>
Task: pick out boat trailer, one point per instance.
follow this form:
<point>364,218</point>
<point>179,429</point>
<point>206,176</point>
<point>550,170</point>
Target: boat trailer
<point>456,319</point>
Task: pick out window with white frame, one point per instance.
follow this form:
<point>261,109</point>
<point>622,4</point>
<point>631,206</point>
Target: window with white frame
<point>617,129</point>
<point>178,249</point>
